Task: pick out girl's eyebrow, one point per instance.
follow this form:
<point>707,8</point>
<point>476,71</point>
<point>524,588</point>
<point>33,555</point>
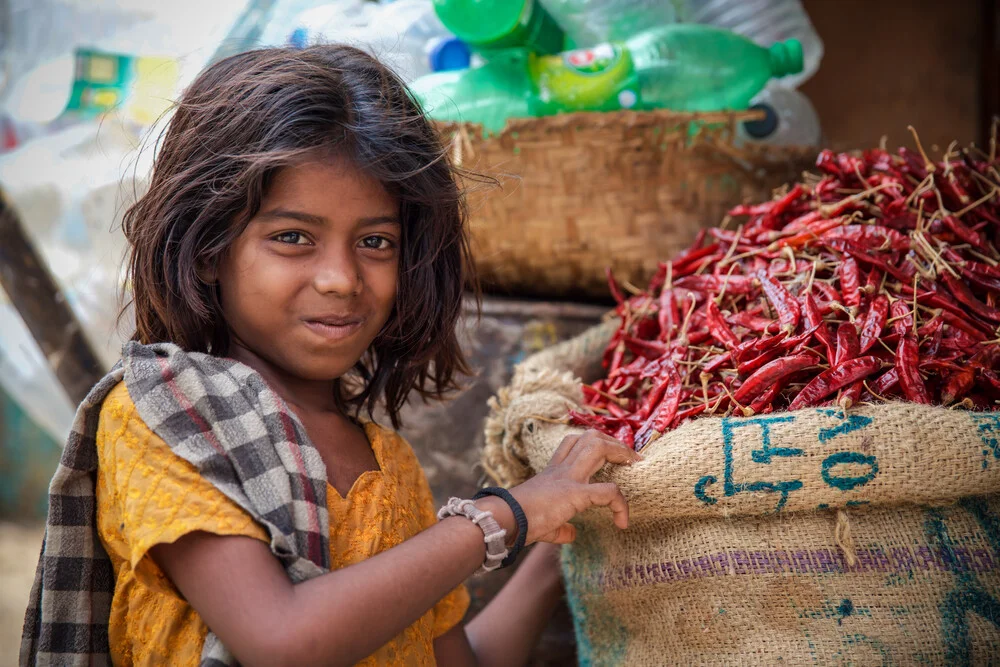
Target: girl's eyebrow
<point>287,214</point>
<point>379,220</point>
<point>309,218</point>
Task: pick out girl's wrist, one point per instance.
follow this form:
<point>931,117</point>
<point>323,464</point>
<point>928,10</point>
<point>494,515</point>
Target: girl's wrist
<point>503,515</point>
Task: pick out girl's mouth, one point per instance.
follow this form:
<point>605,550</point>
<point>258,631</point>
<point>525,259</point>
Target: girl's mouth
<point>334,328</point>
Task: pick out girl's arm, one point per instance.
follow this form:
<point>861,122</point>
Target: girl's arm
<point>506,631</point>
<point>242,593</point>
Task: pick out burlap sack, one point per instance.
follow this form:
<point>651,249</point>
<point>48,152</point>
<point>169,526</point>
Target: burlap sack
<point>812,537</point>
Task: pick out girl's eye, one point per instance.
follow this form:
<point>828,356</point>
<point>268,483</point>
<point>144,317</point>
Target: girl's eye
<point>376,243</point>
<point>292,238</point>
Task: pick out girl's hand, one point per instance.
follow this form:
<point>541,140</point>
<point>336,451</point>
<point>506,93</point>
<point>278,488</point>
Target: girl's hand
<point>561,491</point>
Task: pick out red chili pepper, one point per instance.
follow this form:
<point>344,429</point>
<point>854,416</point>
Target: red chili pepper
<point>826,162</point>
<point>752,364</point>
<point>659,278</point>
<point>774,208</point>
<point>617,357</point>
<point>717,362</point>
<point>830,295</point>
<point>964,295</point>
<point>753,322</point>
<point>616,291</point>
<point>753,347</point>
<point>659,421</point>
<point>870,236</point>
<point>795,343</point>
<point>773,372</point>
<point>885,382</point>
<point>812,232</point>
<point>932,333</point>
<point>656,393</point>
<point>848,346</point>
<point>815,320</point>
<point>959,229</point>
<point>985,282</point>
<point>907,360</point>
<point>986,357</point>
<point>850,282</point>
<point>872,282</point>
<point>650,349</point>
<point>598,422</point>
<point>991,379</point>
<point>685,264</point>
<point>685,414</point>
<point>860,255</point>
<point>784,303</point>
<point>966,325</point>
<point>833,379</point>
<point>625,436</point>
<point>699,337</point>
<point>958,385</point>
<point>902,318</point>
<point>957,339</point>
<point>977,267</point>
<point>718,327</point>
<point>594,396</point>
<point>874,322</point>
<point>617,411</point>
<point>667,314</point>
<point>766,400</point>
<point>851,394</point>
<point>703,284</point>
<point>783,204</point>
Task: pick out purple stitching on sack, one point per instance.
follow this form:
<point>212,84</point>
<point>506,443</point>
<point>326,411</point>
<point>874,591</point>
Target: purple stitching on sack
<point>899,560</point>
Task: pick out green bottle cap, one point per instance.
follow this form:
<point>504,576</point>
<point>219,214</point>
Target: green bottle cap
<point>786,57</point>
<point>501,24</point>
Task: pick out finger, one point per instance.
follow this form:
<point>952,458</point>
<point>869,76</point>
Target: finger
<point>588,442</point>
<point>593,459</point>
<point>564,448</point>
<point>565,534</point>
<point>609,495</point>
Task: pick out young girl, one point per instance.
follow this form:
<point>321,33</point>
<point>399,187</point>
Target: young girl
<point>299,258</point>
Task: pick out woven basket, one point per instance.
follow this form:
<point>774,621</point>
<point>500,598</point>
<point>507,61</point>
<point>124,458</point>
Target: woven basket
<point>581,192</point>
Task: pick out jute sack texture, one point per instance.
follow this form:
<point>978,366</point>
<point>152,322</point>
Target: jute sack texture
<point>822,537</point>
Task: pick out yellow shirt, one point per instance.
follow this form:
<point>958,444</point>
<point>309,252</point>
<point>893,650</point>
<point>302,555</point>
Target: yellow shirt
<point>147,495</point>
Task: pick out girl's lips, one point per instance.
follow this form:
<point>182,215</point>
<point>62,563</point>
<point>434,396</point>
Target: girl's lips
<point>333,331</point>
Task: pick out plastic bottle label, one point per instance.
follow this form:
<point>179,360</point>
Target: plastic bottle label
<point>595,60</point>
<point>600,78</point>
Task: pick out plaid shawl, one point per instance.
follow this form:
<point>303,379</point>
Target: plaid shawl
<point>223,418</point>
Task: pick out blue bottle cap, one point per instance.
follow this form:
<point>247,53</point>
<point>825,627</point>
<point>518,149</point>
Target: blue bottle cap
<point>448,54</point>
<point>765,127</point>
<point>299,39</point>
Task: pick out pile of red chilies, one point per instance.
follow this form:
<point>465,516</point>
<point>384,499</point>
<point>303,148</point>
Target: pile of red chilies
<point>876,280</point>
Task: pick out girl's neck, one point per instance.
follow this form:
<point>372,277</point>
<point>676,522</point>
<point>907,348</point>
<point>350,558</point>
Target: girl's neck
<point>307,395</point>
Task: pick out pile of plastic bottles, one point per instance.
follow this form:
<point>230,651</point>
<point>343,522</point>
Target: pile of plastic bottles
<point>627,54</point>
<point>486,61</point>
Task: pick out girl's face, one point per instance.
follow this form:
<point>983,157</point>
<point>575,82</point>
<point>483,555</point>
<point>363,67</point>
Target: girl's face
<point>312,279</point>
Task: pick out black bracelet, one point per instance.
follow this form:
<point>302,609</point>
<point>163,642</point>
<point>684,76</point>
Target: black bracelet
<point>519,519</point>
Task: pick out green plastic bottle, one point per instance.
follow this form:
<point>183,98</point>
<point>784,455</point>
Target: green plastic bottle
<point>681,67</point>
<point>491,25</point>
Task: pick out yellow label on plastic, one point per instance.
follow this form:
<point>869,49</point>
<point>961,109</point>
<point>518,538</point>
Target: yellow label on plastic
<point>152,89</point>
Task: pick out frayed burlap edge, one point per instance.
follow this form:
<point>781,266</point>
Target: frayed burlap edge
<point>545,387</point>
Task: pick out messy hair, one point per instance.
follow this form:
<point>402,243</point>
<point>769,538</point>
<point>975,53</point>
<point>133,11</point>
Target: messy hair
<point>243,119</point>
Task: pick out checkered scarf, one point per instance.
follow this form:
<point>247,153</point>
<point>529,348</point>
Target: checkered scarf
<point>223,418</point>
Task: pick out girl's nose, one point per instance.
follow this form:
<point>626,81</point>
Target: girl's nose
<point>338,273</point>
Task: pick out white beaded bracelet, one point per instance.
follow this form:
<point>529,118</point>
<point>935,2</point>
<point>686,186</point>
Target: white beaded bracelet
<point>494,536</point>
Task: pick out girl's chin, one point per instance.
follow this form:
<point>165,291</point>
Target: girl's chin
<point>320,367</point>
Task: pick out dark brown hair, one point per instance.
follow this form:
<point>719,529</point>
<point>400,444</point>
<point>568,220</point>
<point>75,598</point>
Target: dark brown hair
<point>242,120</point>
